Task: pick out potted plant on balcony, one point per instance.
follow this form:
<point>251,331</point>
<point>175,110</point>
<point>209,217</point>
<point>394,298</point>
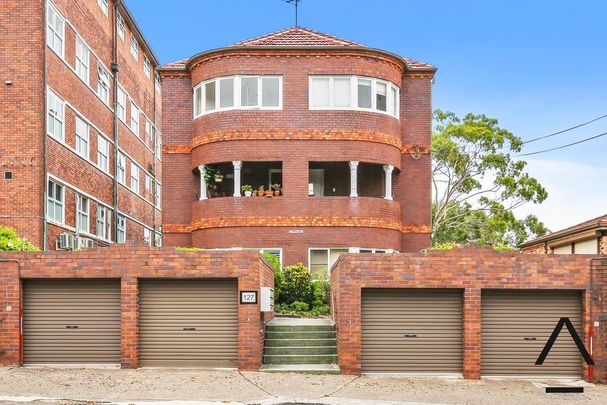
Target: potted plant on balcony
<point>260,191</point>
<point>247,189</point>
<point>277,189</point>
<point>218,177</point>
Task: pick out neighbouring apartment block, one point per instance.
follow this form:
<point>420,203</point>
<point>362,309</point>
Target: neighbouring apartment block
<point>336,134</point>
<point>80,125</point>
<point>589,237</point>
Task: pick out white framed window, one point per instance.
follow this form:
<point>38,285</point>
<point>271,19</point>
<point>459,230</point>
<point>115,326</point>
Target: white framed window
<point>157,200</point>
<point>121,168</point>
<point>134,178</point>
<point>147,67</point>
<point>120,26</point>
<point>55,29</point>
<point>103,154</point>
<point>320,261</point>
<point>121,104</point>
<point>276,252</point>
<point>147,236</point>
<point>104,6</point>
<point>157,85</point>
<point>82,60</point>
<point>158,144</point>
<point>55,116</point>
<point>55,202</point>
<point>103,85</point>
<point>353,93</point>
<point>121,229</point>
<point>82,213</point>
<point>135,119</point>
<point>148,129</point>
<point>104,222</point>
<point>158,239</point>
<point>82,138</point>
<point>148,182</point>
<point>134,47</point>
<point>238,92</point>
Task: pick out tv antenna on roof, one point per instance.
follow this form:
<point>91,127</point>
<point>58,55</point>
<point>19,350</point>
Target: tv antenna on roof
<point>296,4</point>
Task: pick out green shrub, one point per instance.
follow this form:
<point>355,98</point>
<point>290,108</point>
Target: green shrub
<point>296,285</point>
<point>278,277</point>
<point>299,306</point>
<point>323,310</point>
<point>11,242</point>
<point>321,291</point>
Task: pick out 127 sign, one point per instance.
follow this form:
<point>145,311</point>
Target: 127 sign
<point>248,297</point>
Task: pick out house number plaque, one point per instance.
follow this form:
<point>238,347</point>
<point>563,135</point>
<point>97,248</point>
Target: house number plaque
<point>248,297</point>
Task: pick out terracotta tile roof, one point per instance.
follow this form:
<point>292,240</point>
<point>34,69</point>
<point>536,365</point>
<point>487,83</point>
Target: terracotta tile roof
<point>584,226</point>
<point>300,37</point>
<point>297,36</point>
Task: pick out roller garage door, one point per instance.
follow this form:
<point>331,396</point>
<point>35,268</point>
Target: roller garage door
<point>412,331</point>
<point>517,324</point>
<point>71,321</point>
<point>188,323</point>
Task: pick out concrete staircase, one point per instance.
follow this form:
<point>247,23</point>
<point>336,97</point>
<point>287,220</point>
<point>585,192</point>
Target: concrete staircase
<point>300,345</point>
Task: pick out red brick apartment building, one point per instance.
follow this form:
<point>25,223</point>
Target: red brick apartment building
<point>78,93</point>
<point>342,130</point>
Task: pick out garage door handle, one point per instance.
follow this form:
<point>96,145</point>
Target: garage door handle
<point>189,328</point>
<point>410,336</point>
<point>529,338</point>
<point>71,326</point>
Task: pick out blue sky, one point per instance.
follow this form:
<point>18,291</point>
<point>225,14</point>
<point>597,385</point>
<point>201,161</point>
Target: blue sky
<point>536,66</point>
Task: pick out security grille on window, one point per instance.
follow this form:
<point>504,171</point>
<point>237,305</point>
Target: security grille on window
<point>134,48</point>
<point>238,92</point>
<point>103,153</point>
<point>55,29</point>
<point>55,116</point>
<point>121,168</point>
<point>55,202</point>
<point>353,93</point>
<point>103,85</point>
<point>82,138</point>
<point>121,234</point>
<point>82,60</point>
<point>121,26</point>
<point>82,213</point>
<point>134,178</point>
<point>135,119</point>
<point>121,104</point>
<point>104,221</point>
<point>147,67</point>
<point>104,5</point>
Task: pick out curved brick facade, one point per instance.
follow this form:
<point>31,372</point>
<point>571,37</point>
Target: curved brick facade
<point>296,135</point>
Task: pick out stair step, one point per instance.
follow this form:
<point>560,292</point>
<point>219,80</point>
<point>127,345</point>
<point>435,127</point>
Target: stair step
<point>296,359</point>
<point>300,328</point>
<point>299,342</point>
<point>301,368</point>
<point>301,351</point>
<point>301,335</point>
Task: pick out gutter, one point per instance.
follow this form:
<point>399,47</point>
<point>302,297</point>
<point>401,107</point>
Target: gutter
<point>45,140</point>
<point>115,70</point>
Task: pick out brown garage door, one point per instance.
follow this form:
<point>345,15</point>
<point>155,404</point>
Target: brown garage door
<point>188,323</point>
<point>412,331</point>
<point>71,321</point>
<point>516,326</point>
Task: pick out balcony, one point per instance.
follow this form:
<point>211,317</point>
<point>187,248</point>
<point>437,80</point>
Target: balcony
<point>236,179</point>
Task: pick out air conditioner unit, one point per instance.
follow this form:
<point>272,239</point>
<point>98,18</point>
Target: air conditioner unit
<point>66,242</point>
<point>84,243</point>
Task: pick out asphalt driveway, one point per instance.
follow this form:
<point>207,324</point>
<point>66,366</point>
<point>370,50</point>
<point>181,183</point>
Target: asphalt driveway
<point>190,386</point>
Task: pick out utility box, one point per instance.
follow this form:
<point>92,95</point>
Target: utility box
<point>267,299</point>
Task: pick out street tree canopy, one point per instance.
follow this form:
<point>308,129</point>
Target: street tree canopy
<point>477,183</point>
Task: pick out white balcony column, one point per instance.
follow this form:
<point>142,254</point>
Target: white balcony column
<point>203,182</point>
<point>388,169</point>
<point>353,178</point>
<point>237,166</point>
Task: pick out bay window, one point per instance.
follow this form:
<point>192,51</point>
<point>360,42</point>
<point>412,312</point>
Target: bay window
<point>353,93</point>
<point>238,92</point>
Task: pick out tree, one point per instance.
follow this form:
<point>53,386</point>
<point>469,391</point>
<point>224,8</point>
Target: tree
<point>477,183</point>
<point>11,242</point>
